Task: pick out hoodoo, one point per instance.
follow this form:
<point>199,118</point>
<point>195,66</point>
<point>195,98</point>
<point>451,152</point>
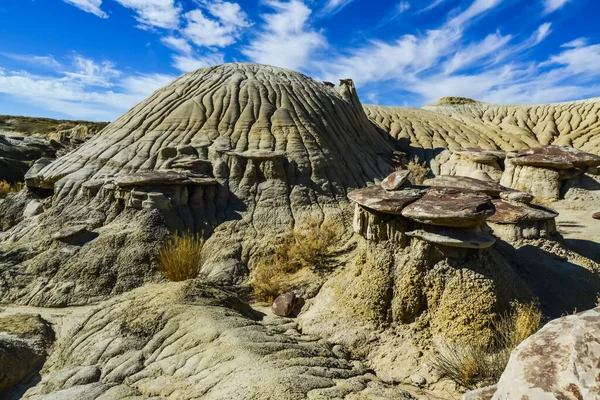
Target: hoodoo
<point>234,151</point>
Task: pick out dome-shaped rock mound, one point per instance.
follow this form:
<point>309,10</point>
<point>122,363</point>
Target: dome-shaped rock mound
<point>237,108</point>
<point>234,152</point>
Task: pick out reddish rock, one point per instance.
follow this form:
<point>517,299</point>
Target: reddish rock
<point>463,182</point>
<point>556,157</point>
<point>387,202</point>
<point>285,304</point>
<point>514,213</point>
<point>395,180</point>
<point>450,207</point>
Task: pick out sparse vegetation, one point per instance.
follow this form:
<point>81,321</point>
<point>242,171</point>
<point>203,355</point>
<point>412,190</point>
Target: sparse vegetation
<point>310,245</point>
<point>6,188</point>
<point>471,366</point>
<point>418,171</point>
<point>181,257</point>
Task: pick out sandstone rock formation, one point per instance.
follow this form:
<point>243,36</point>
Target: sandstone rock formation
<point>541,171</point>
<point>24,341</point>
<point>560,361</point>
<point>235,151</point>
<point>191,340</point>
<point>17,154</point>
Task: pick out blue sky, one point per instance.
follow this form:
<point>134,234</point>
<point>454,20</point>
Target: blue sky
<point>95,59</point>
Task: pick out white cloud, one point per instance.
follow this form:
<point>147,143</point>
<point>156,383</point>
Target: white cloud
<point>286,39</point>
<point>44,61</point>
<point>188,63</point>
<point>433,5</point>
<point>90,90</point>
<point>335,6</point>
<point>578,60</point>
<point>154,13</point>
<point>403,6</point>
<point>90,6</point>
<point>178,44</point>
<point>220,32</point>
<point>477,8</point>
<point>553,5</point>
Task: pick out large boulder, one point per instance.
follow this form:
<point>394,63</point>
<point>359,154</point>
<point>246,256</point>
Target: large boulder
<point>24,341</point>
<point>558,362</point>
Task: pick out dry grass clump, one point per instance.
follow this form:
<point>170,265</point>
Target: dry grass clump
<point>180,259</point>
<point>6,188</point>
<point>418,171</point>
<point>471,366</point>
<point>311,245</point>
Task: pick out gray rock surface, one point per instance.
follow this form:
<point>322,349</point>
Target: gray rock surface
<point>24,341</point>
<point>191,340</point>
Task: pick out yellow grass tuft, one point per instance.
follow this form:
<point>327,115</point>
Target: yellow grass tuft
<point>418,172</point>
<point>6,188</point>
<point>472,367</point>
<point>310,245</point>
<point>181,257</point>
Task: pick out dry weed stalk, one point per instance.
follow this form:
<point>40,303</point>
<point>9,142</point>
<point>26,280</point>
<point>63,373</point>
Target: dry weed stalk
<point>6,188</point>
<point>181,257</point>
<point>418,172</point>
<point>471,366</point>
<point>310,245</point>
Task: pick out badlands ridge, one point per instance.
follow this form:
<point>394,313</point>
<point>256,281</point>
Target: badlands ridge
<point>245,155</point>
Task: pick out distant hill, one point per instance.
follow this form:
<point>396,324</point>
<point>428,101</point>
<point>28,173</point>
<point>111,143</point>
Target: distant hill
<point>42,127</point>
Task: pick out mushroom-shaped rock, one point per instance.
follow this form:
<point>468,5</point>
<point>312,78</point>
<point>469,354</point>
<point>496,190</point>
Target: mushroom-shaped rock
<point>162,178</point>
<point>482,156</point>
<point>454,237</point>
<point>490,188</point>
<point>556,157</point>
<point>395,180</point>
<point>450,207</point>
<point>388,202</point>
<point>475,163</point>
<point>513,221</point>
<point>257,154</point>
<point>514,213</point>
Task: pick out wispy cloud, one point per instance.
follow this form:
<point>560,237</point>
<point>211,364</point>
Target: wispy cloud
<point>44,61</point>
<point>222,30</point>
<point>286,37</point>
<point>552,5</point>
<point>87,90</point>
<point>188,63</point>
<point>433,5</point>
<point>89,6</point>
<point>335,6</point>
<point>154,13</point>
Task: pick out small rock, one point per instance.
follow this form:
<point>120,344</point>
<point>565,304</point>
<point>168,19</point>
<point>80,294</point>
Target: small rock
<point>284,305</point>
<point>395,180</point>
<point>418,380</point>
<point>596,215</point>
<point>34,207</point>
